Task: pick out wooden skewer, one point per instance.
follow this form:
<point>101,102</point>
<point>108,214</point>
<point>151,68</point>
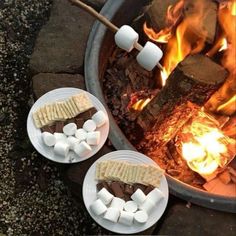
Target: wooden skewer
<point>105,21</point>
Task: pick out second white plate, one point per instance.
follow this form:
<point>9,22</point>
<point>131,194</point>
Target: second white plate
<point>90,192</point>
<point>35,133</point>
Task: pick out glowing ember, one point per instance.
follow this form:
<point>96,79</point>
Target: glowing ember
<point>139,105</point>
<point>204,146</point>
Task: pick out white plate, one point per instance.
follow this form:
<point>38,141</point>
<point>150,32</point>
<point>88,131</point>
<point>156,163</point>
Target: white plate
<point>90,191</point>
<point>35,133</point>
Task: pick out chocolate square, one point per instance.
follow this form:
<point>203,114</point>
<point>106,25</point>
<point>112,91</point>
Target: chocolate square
<point>129,189</point>
<point>79,122</point>
<point>148,189</point>
<point>117,189</point>
<point>59,126</point>
<point>47,128</point>
<point>139,186</point>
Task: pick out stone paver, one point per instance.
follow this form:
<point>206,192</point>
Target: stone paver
<point>45,82</point>
<point>61,43</point>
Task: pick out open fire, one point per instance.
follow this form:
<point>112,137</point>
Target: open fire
<point>205,148</point>
<point>195,143</point>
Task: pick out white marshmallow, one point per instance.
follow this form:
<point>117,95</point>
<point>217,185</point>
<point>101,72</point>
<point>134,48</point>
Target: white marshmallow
<point>60,137</point>
<point>138,196</point>
<point>49,139</point>
<point>126,218</point>
<point>105,196</point>
<point>89,125</point>
<point>117,203</point>
<point>61,148</point>
<point>70,129</point>
<point>82,149</point>
<point>93,138</point>
<point>140,217</point>
<point>126,37</point>
<point>112,214</point>
<point>149,56</point>
<point>81,134</point>
<point>72,141</point>
<point>98,207</point>
<point>147,206</point>
<point>100,118</point>
<point>155,195</point>
<point>131,206</point>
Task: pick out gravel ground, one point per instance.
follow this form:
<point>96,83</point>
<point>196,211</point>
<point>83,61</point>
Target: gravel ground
<point>33,198</point>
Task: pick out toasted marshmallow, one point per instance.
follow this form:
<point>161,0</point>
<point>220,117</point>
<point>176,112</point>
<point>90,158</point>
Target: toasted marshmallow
<point>89,125</point>
<point>98,207</point>
<point>140,217</point>
<point>99,118</point>
<point>126,218</point>
<point>81,134</point>
<point>138,196</point>
<point>105,196</point>
<point>117,203</point>
<point>131,206</point>
<point>70,129</point>
<point>62,148</point>
<point>82,149</point>
<point>93,138</point>
<point>112,214</point>
<point>49,139</point>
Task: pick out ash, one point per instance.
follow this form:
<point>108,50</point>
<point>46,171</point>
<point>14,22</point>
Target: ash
<point>33,198</point>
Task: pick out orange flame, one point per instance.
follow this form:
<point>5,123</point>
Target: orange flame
<point>140,104</point>
<point>224,45</point>
<point>181,40</point>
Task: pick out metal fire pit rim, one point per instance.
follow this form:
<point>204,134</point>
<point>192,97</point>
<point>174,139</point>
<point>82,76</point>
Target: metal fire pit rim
<point>118,139</point>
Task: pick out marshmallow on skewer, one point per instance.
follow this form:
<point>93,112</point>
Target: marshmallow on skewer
<point>60,137</point>
<point>126,37</point>
<point>70,129</point>
<point>140,217</point>
<point>98,207</point>
<point>126,218</point>
<point>131,206</point>
<point>105,196</point>
<point>147,206</point>
<point>155,195</point>
<point>81,134</point>
<point>72,141</point>
<point>62,148</point>
<point>49,139</point>
<point>138,196</point>
<point>89,125</point>
<point>149,56</point>
<point>93,138</point>
<point>112,214</point>
<point>99,118</point>
<point>82,149</point>
<point>117,203</point>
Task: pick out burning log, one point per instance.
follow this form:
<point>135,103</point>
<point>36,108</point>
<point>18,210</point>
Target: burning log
<point>194,80</point>
<point>156,14</point>
<point>205,13</point>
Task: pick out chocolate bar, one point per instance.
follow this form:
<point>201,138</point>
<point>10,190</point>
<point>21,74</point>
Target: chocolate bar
<point>117,189</point>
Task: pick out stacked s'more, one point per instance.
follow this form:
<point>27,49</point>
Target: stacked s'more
<point>127,192</point>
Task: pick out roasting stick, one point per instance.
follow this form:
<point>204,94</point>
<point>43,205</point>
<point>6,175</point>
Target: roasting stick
<point>105,21</point>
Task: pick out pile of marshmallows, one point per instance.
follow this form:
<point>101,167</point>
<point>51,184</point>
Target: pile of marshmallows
<point>77,140</point>
<point>126,38</point>
<point>116,209</point>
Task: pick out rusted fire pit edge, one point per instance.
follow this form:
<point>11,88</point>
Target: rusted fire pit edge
<point>117,137</point>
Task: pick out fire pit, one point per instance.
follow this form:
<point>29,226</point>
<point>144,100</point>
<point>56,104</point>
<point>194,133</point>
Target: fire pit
<point>165,132</point>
